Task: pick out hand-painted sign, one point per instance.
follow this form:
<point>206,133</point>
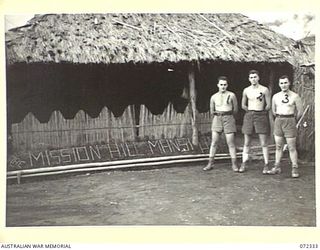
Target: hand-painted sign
<point>108,152</point>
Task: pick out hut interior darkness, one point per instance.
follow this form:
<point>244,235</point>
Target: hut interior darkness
<point>44,88</point>
<point>73,79</point>
<point>41,89</point>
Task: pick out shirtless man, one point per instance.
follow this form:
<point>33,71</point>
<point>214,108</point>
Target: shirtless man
<point>256,102</point>
<point>223,105</point>
<point>287,108</point>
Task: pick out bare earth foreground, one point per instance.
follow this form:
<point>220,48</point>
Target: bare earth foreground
<point>179,195</point>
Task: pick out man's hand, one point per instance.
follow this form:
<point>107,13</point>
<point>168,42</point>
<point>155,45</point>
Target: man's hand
<point>245,108</point>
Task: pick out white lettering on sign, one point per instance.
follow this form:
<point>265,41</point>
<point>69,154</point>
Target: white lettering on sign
<point>110,151</point>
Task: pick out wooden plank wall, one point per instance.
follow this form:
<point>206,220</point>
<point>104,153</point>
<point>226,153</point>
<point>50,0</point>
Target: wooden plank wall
<point>204,121</point>
<point>170,124</point>
<point>59,132</point>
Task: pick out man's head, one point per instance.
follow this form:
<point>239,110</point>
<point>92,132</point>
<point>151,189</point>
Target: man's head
<point>284,83</point>
<point>222,83</point>
<point>254,77</point>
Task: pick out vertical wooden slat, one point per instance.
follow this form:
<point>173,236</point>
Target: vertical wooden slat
<point>58,132</point>
<point>142,121</point>
<point>170,123</point>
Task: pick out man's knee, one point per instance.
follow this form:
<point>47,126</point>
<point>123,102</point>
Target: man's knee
<point>247,142</point>
<point>264,140</point>
<point>279,146</point>
<point>292,147</point>
<point>231,145</point>
<point>214,143</point>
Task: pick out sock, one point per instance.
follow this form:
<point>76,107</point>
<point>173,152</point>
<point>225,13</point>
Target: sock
<point>265,155</point>
<point>234,161</point>
<point>245,157</point>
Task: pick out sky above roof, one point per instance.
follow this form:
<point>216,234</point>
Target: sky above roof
<point>293,25</point>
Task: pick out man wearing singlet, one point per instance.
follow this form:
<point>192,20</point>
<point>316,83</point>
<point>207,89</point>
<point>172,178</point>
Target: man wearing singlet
<point>223,105</point>
<point>256,102</point>
<point>287,108</point>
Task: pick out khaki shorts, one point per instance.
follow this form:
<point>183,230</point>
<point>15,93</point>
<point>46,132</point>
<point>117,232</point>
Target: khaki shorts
<point>285,127</point>
<point>257,121</point>
<point>224,123</point>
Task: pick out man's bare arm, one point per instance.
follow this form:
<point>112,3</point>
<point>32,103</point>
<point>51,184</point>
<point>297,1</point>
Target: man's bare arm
<point>299,107</point>
<point>267,96</point>
<point>274,108</point>
<point>212,105</point>
<point>244,100</point>
<point>235,104</point>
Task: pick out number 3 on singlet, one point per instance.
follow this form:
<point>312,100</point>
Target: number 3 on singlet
<point>286,99</point>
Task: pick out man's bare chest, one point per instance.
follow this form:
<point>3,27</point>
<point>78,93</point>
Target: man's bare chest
<point>222,99</point>
<point>255,95</point>
<point>285,99</point>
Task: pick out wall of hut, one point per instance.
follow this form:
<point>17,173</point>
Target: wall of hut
<point>59,132</point>
<point>304,85</point>
<point>169,124</point>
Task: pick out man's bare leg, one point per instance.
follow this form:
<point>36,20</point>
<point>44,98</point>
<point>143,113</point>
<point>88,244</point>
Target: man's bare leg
<point>279,151</point>
<point>213,149</point>
<point>293,156</point>
<point>245,153</point>
<point>232,151</point>
<point>265,151</point>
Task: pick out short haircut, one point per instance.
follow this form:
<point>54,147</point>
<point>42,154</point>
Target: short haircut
<point>284,77</point>
<point>224,78</point>
<point>253,71</point>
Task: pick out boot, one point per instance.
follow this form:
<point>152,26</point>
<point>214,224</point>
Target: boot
<point>275,170</point>
<point>210,164</point>
<point>243,167</point>
<point>234,165</point>
<point>265,169</point>
<point>295,172</point>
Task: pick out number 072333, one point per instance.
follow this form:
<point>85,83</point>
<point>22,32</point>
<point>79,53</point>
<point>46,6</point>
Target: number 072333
<point>309,246</point>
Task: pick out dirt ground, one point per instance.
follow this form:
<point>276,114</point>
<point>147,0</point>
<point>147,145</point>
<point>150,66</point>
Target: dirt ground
<point>176,195</point>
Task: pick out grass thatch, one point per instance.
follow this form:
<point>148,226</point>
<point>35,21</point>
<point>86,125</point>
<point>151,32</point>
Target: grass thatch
<point>308,45</point>
<point>145,38</point>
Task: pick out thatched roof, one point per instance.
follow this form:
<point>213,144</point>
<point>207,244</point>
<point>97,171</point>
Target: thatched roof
<point>145,38</point>
<point>307,45</point>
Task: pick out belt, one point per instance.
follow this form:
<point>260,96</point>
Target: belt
<point>258,112</point>
<point>223,113</point>
<point>284,116</point>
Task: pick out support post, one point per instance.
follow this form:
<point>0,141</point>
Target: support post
<point>193,99</point>
<point>271,87</point>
